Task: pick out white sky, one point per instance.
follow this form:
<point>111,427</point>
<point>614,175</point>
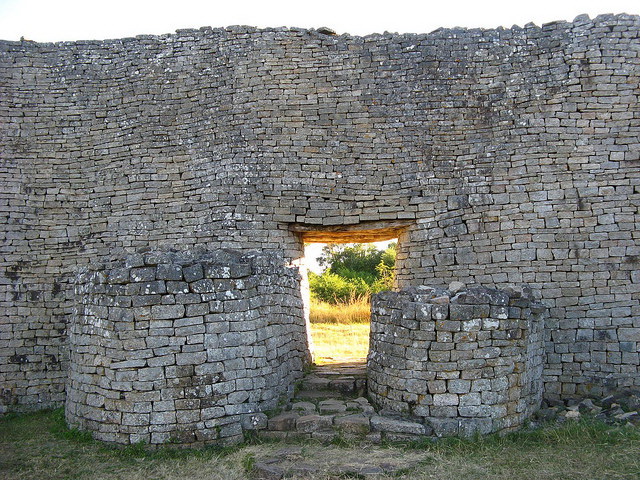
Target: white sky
<point>55,20</point>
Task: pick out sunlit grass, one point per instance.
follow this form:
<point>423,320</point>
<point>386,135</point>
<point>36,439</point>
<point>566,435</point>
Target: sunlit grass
<point>338,342</point>
<point>355,311</point>
<point>340,332</point>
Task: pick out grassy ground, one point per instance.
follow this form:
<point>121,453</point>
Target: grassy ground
<point>334,343</point>
<point>339,332</point>
<point>357,311</point>
<point>38,446</point>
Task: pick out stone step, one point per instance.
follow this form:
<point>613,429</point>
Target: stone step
<point>317,395</point>
<point>331,424</point>
<point>345,378</point>
<point>332,405</point>
<point>348,368</point>
<point>347,385</point>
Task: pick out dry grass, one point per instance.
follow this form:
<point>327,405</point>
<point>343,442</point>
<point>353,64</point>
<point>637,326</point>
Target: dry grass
<point>37,446</point>
<point>340,332</point>
<point>355,311</point>
<point>336,342</point>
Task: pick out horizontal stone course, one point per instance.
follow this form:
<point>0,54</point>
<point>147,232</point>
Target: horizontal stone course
<point>484,373</point>
<point>175,368</point>
<point>497,157</point>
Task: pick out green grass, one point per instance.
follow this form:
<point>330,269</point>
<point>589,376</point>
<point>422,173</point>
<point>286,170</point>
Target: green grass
<point>39,446</point>
<point>587,449</point>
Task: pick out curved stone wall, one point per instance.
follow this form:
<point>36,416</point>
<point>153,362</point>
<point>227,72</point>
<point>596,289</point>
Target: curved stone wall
<point>176,347</point>
<point>505,156</point>
<point>465,361</point>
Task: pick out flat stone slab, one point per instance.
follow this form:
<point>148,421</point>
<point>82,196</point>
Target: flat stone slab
<point>289,453</point>
<point>267,471</point>
<point>304,407</point>
<point>343,384</point>
<point>386,424</point>
<point>356,424</point>
<point>284,422</point>
<point>313,423</point>
<point>312,382</point>
<point>333,462</point>
<point>311,395</point>
<point>332,406</point>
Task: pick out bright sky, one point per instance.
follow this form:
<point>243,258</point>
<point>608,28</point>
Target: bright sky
<point>55,20</point>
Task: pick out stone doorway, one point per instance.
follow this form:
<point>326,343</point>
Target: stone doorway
<point>340,333</point>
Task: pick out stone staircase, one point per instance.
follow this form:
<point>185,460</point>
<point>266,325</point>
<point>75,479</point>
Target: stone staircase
<point>331,405</point>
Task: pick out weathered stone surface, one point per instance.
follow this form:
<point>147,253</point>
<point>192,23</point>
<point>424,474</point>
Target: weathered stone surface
<point>356,424</point>
<point>531,179</point>
<point>304,407</point>
<point>475,372</point>
<point>332,406</point>
<point>313,423</point>
<point>284,422</point>
<point>180,366</point>
<point>267,471</point>
<point>255,421</point>
<point>386,424</point>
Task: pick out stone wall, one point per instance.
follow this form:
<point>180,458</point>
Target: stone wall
<point>175,347</point>
<point>465,361</point>
<point>506,156</point>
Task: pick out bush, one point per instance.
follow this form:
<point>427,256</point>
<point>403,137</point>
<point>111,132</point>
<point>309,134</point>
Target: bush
<point>355,272</point>
<point>333,288</point>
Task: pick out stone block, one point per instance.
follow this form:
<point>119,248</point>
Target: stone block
<point>386,424</point>
<point>445,399</point>
<point>458,386</point>
<point>193,273</point>
<point>285,422</point>
<point>332,406</point>
<point>167,312</point>
<point>143,274</point>
<point>313,423</point>
<point>356,424</point>
<point>461,312</point>
<point>629,334</point>
<point>255,421</point>
<point>169,272</point>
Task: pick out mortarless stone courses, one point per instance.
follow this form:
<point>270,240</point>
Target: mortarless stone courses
<point>191,365</point>
<point>499,157</point>
<point>465,363</point>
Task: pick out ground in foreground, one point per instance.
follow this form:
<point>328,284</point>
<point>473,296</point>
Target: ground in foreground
<point>38,446</point>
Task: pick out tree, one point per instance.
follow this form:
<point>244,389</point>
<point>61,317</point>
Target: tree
<point>353,270</point>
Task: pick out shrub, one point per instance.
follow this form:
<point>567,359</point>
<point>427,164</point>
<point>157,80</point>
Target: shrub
<point>355,272</point>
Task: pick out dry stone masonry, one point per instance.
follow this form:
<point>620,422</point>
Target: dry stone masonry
<point>469,362</point>
<point>181,348</point>
<point>498,157</point>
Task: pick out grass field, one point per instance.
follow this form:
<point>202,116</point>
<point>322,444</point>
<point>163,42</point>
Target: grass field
<point>355,312</point>
<point>339,332</point>
<point>38,446</point>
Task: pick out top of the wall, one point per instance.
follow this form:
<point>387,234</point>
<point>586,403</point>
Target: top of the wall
<point>606,20</point>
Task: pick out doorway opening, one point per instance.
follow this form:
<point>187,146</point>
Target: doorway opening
<point>344,268</point>
<point>342,278</point>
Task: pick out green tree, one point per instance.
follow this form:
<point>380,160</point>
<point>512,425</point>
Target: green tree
<point>353,271</point>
